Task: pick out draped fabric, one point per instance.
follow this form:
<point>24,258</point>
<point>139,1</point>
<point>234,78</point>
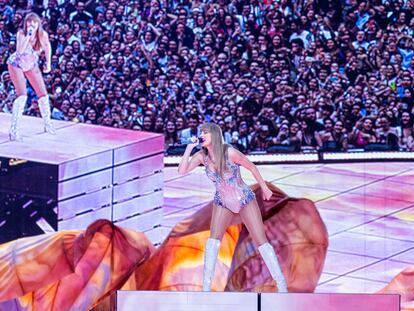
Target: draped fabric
<point>293,226</point>
<point>69,270</point>
<point>75,270</point>
<point>402,284</point>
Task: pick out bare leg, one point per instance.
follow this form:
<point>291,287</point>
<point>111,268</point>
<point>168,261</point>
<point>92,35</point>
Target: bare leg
<point>18,79</point>
<point>36,80</point>
<point>19,82</point>
<point>252,219</point>
<point>220,220</point>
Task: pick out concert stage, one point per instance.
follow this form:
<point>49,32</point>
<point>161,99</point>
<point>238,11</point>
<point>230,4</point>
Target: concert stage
<point>368,209</point>
<point>85,172</point>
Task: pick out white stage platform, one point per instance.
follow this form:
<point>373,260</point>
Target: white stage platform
<point>85,172</point>
<point>226,301</point>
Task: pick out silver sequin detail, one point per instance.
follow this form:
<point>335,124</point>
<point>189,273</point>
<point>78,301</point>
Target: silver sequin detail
<point>232,182</point>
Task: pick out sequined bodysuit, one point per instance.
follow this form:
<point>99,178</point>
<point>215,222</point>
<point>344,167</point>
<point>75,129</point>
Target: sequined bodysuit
<point>25,61</point>
<point>231,191</point>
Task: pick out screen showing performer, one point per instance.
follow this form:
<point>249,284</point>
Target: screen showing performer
<point>22,65</point>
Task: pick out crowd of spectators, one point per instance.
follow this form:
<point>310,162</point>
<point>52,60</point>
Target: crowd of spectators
<point>274,74</point>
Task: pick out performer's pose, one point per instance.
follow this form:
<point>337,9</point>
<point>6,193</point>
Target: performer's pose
<point>24,64</point>
<point>233,196</point>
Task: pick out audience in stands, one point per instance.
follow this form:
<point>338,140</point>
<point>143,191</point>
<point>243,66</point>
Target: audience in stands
<point>275,75</point>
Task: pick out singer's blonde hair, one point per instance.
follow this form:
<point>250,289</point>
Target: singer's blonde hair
<point>219,147</point>
<point>34,17</point>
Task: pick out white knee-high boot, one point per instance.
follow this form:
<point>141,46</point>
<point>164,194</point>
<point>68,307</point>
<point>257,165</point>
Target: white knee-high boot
<point>269,256</point>
<point>44,108</point>
<point>210,257</point>
<point>18,107</point>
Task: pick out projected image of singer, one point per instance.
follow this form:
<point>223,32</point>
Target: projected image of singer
<point>22,65</point>
<point>222,164</point>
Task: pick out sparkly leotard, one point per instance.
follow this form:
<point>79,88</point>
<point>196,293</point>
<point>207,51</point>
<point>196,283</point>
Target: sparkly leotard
<point>231,191</point>
<point>25,61</point>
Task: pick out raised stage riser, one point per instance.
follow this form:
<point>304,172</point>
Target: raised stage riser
<point>139,186</point>
<point>83,220</point>
<point>85,165</point>
<point>138,205</point>
<point>141,149</point>
<point>85,184</point>
<point>144,221</point>
<point>69,208</point>
<point>84,172</point>
<point>140,168</point>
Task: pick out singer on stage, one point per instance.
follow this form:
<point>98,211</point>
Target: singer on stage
<point>22,65</point>
<point>222,164</point>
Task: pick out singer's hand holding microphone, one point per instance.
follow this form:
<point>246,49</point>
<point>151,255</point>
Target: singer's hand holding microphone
<point>30,31</point>
<point>193,141</point>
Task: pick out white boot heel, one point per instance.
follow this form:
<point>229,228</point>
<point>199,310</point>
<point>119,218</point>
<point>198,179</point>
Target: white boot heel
<point>44,108</point>
<point>17,114</point>
<point>269,257</point>
<point>210,257</point>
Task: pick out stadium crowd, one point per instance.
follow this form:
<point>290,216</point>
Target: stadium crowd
<point>279,75</point>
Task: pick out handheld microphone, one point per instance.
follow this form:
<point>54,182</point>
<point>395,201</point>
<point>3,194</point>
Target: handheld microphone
<point>191,140</point>
<point>30,31</point>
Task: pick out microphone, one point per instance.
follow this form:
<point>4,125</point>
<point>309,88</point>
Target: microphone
<point>192,140</point>
<point>30,31</point>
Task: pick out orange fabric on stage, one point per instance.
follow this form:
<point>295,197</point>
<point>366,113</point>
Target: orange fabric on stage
<point>69,270</point>
<point>402,284</point>
<point>74,270</point>
<point>293,226</point>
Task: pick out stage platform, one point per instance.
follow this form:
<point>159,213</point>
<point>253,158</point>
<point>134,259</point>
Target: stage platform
<point>83,173</point>
<point>368,209</point>
<point>232,301</point>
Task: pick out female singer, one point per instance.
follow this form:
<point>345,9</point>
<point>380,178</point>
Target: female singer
<point>233,196</point>
<point>22,65</point>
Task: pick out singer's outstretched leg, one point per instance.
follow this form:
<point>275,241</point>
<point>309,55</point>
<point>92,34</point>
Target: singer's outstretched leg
<point>19,82</point>
<point>220,220</point>
<point>253,221</point>
<point>36,81</point>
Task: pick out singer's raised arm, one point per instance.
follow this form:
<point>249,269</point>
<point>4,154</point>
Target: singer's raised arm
<point>187,164</point>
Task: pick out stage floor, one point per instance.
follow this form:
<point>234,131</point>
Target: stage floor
<point>368,209</point>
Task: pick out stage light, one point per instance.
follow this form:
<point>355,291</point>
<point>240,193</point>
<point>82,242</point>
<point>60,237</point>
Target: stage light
<point>15,162</point>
